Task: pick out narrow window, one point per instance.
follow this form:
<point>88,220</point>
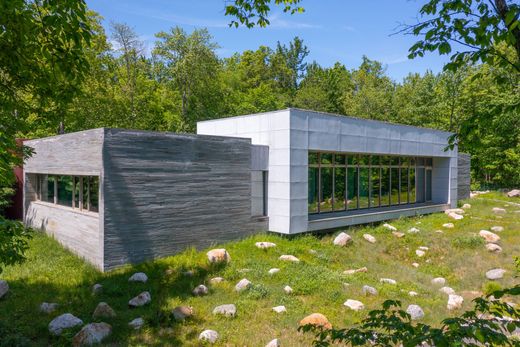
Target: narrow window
<point>49,197</point>
<point>339,187</point>
<point>264,186</point>
<point>313,190</point>
<point>385,186</point>
<point>363,187</point>
<point>326,189</point>
<point>86,189</point>
<point>65,190</point>
<point>94,194</point>
<point>352,188</point>
<point>428,185</point>
<point>375,186</point>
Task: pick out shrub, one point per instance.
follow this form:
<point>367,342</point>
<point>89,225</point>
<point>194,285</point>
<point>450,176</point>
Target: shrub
<point>13,242</point>
<point>468,241</point>
<point>489,287</point>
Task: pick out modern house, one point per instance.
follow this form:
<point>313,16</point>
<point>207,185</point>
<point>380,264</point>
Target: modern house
<point>118,196</point>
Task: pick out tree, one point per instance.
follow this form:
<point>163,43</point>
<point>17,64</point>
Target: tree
<point>478,26</point>
<point>42,64</point>
<point>190,66</point>
<point>256,12</point>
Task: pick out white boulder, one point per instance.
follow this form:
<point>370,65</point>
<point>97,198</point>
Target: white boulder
<point>92,334</point>
<point>287,290</point>
<point>455,302</point>
<point>273,271</point>
<point>342,239</point>
<point>136,324</point>
<point>209,336</point>
<point>387,281</point>
<point>273,343</point>
<point>439,281</point>
<point>369,238</point>
<point>243,284</point>
<point>498,210</point>
<point>497,228</point>
<point>513,193</point>
<point>65,321</point>
<point>228,310</point>
<point>288,257</point>
<point>495,274</point>
<point>415,311</point>
<point>218,255</point>
<point>488,236</point>
<point>413,230</point>
<point>493,247</point>
<point>138,277</point>
<point>140,300</point>
<point>48,307</point>
<point>389,227</point>
<point>200,290</point>
<point>265,245</point>
<point>279,309</point>
<point>447,290</point>
<point>368,290</point>
<point>448,225</point>
<point>354,305</point>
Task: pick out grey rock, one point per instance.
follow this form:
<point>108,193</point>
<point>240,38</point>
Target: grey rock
<point>389,227</point>
<point>228,310</point>
<point>342,239</point>
<point>415,311</point>
<point>354,305</point>
<point>136,323</point>
<point>497,228</point>
<point>210,336</point>
<point>48,307</point>
<point>65,321</point>
<point>97,288</point>
<point>368,290</point>
<point>103,310</point>
<point>273,271</point>
<point>4,288</point>
<point>495,274</point>
<point>498,210</point>
<point>287,290</point>
<point>91,334</point>
<point>387,281</point>
<point>488,236</point>
<point>140,300</point>
<point>243,284</point>
<point>181,313</point>
<point>288,257</point>
<point>273,343</point>
<point>218,255</point>
<point>369,238</point>
<point>447,290</point>
<point>492,247</point>
<point>513,193</point>
<point>138,277</point>
<point>200,290</point>
<point>265,245</point>
<point>279,309</point>
<point>439,281</point>
<point>455,302</point>
<point>216,280</point>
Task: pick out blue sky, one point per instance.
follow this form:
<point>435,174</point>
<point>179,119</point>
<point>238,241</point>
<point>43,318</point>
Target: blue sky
<point>333,30</point>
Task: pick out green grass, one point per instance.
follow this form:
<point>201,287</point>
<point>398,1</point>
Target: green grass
<point>53,274</point>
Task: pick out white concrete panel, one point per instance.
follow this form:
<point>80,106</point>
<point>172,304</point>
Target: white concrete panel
<point>323,141</point>
<point>351,126</point>
<point>299,139</point>
<point>351,143</point>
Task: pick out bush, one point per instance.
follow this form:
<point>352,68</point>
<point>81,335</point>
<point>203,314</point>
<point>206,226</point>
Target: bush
<point>489,287</point>
<point>14,238</point>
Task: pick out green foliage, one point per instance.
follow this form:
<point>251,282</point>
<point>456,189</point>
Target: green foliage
<point>490,287</point>
<point>256,12</point>
<point>13,242</point>
<point>468,241</point>
<point>488,323</point>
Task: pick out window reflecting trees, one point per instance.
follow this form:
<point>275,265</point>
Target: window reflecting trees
<point>347,181</point>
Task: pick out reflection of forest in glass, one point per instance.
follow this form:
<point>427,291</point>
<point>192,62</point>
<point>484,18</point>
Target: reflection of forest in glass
<point>81,192</point>
<point>340,182</point>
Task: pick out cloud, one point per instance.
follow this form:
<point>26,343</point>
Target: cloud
<point>348,28</point>
<point>278,23</point>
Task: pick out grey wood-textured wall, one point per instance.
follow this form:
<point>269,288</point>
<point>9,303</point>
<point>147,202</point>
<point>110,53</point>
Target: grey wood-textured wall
<point>166,192</point>
<point>463,176</point>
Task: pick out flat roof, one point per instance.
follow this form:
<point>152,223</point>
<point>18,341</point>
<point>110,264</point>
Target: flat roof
<point>326,114</point>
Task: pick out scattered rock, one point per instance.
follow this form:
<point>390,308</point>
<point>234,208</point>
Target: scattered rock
<point>279,309</point>
<point>397,234</point>
<point>216,280</point>
<point>48,307</point>
<point>420,253</point>
<point>317,320</point>
<point>140,300</point>
<point>243,284</point>
<point>495,274</point>
<point>466,206</point>
<point>4,288</point>
<point>412,293</point>
<point>498,210</point>
<point>210,336</point>
<point>415,311</point>
<point>390,227</point>
<point>228,310</point>
<point>354,271</point>
<point>345,285</point>
<point>448,225</point>
<point>413,230</point>
<point>387,281</point>
<point>439,281</point>
<point>354,305</point>
<point>513,193</point>
<point>342,239</point>
<point>447,290</point>
<point>138,277</point>
<point>415,265</point>
<point>65,321</point>
<point>455,216</point>
<point>454,210</point>
<point>181,313</point>
<point>493,247</point>
<point>288,257</point>
<point>103,310</point>
<point>287,290</point>
<point>218,255</point>
<point>455,302</point>
<point>189,273</point>
<point>489,236</point>
<point>369,238</point>
<point>91,334</point>
<point>97,288</point>
<point>423,248</point>
<point>312,251</point>
<point>497,229</point>
<point>273,271</point>
<point>273,343</point>
<point>265,245</point>
<point>439,231</point>
<point>368,290</point>
<point>200,290</point>
<point>136,323</point>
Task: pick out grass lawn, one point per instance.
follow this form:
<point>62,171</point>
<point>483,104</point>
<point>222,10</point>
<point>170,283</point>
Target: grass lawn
<point>52,274</point>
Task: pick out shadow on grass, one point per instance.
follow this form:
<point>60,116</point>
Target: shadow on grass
<point>22,323</point>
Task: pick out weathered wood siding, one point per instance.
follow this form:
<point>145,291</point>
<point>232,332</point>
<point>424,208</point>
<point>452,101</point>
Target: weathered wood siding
<point>77,153</point>
<point>463,176</point>
<point>166,192</point>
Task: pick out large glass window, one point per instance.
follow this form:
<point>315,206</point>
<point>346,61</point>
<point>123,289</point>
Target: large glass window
<point>348,181</point>
<point>352,188</point>
<point>79,192</point>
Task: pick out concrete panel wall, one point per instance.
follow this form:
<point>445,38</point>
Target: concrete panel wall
<point>463,176</point>
<point>166,192</point>
<point>291,133</point>
<point>70,154</point>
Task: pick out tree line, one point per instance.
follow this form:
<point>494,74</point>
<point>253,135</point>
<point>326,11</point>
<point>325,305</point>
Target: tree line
<point>183,81</point>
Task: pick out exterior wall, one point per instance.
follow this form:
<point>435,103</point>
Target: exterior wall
<point>71,154</point>
<point>291,133</point>
<point>464,176</point>
<point>166,192</point>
